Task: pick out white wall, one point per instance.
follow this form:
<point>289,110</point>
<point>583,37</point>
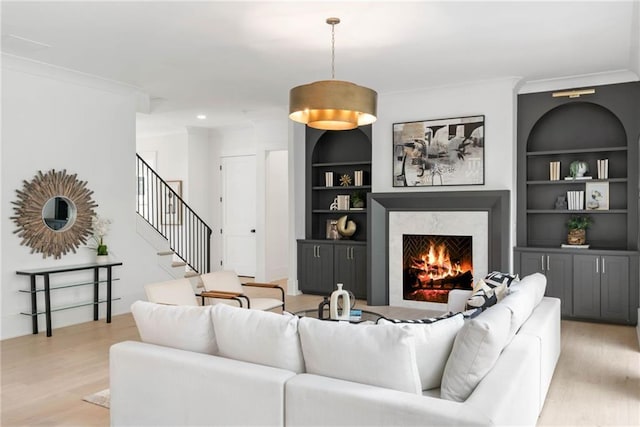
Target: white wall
<point>171,156</point>
<point>56,119</point>
<point>277,216</point>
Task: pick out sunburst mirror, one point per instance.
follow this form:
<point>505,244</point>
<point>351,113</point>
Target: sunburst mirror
<point>53,213</point>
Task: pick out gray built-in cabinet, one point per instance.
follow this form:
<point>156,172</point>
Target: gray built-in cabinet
<point>599,283</point>
<point>322,262</point>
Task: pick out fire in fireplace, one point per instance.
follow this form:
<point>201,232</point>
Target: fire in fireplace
<point>434,264</point>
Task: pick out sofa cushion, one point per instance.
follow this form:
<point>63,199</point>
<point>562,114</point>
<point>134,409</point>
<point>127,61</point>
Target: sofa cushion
<point>261,337</point>
<point>378,355</point>
<point>178,326</point>
<point>434,342</point>
<point>475,350</point>
<point>523,298</point>
<point>496,278</point>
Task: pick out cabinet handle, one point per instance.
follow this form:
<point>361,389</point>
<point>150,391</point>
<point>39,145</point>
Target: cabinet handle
<point>351,253</point>
<point>603,271</point>
<point>316,250</point>
<point>548,265</point>
<point>542,262</point>
<point>597,263</point>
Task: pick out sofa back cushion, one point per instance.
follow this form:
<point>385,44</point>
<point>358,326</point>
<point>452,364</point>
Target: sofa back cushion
<point>378,355</point>
<point>178,326</point>
<point>523,297</point>
<point>256,336</point>
<point>475,350</point>
<point>434,342</point>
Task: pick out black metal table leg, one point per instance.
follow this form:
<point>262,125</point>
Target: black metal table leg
<point>34,305</point>
<point>109,294</point>
<point>47,303</point>
<point>96,291</point>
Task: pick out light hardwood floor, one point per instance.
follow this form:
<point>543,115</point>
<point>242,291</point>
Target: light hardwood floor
<point>597,380</point>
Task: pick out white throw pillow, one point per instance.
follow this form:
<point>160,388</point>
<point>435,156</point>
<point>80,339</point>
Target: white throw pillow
<point>434,342</point>
<point>378,355</point>
<point>178,326</point>
<point>257,336</point>
<point>475,350</point>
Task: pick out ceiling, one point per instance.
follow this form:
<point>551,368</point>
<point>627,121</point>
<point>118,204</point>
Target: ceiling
<point>236,61</point>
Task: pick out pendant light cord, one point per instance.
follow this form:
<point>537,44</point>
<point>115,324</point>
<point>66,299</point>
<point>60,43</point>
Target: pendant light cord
<point>333,51</point>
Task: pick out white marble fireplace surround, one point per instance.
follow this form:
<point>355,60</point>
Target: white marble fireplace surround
<point>381,207</point>
<point>439,223</point>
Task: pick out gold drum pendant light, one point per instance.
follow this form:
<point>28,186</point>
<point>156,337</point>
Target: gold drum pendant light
<point>333,104</point>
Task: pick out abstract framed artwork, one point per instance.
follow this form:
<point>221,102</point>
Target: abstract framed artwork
<point>172,205</point>
<point>439,152</point>
<point>597,196</point>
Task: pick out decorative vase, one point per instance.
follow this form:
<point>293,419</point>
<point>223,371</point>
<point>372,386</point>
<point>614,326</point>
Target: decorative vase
<point>336,296</point>
<point>577,236</point>
<point>102,259</point>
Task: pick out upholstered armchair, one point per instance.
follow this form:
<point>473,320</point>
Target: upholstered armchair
<point>225,285</point>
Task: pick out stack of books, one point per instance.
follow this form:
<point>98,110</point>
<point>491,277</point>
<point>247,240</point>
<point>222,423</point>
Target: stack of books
<point>575,200</point>
<point>554,171</point>
<point>603,169</point>
<point>358,175</point>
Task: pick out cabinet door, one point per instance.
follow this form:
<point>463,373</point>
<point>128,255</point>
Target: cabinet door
<point>614,288</point>
<point>315,268</point>
<point>559,271</point>
<point>351,268</point>
<point>586,287</point>
<point>531,262</point>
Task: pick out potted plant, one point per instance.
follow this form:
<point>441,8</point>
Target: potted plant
<point>100,228</point>
<point>357,200</point>
<point>578,229</point>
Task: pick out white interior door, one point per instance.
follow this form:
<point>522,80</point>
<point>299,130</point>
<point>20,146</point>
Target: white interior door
<point>239,214</point>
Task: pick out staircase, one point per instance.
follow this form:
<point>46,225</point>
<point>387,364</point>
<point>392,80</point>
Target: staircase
<point>182,238</point>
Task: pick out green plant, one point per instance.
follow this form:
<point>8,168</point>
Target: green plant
<point>357,196</point>
<point>579,223</point>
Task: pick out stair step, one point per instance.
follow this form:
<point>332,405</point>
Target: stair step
<point>178,264</point>
<point>190,274</point>
<point>163,253</point>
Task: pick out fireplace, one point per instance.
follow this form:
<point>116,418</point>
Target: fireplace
<point>483,215</point>
<point>435,264</point>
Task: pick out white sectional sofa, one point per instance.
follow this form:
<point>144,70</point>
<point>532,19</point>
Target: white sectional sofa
<point>226,366</point>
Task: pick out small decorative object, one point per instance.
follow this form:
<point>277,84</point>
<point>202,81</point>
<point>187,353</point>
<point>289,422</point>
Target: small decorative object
<point>339,297</point>
<point>554,171</point>
<point>439,152</point>
<point>357,201</point>
<point>357,178</point>
<point>346,228</point>
<point>100,227</point>
<point>578,168</point>
<point>344,202</point>
<point>603,169</point>
<point>578,230</point>
<point>334,205</point>
<point>597,195</point>
<point>325,304</point>
<point>345,180</point>
<point>575,200</point>
<point>328,179</point>
<point>561,203</point>
<point>332,230</point>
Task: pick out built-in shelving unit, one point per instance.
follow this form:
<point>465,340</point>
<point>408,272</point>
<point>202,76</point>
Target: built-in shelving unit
<point>324,262</point>
<point>589,128</point>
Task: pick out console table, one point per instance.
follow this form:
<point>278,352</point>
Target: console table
<point>46,272</point>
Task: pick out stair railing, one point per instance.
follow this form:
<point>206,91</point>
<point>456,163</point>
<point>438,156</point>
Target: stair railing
<point>162,207</point>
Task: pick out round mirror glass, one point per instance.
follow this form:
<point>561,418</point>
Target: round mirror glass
<point>59,213</point>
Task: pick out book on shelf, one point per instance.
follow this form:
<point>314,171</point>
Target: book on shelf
<point>554,171</point>
<point>567,246</point>
<point>356,209</point>
<point>576,178</point>
<point>575,200</point>
<point>603,169</point>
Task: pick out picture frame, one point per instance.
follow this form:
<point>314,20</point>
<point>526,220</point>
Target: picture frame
<point>172,206</point>
<point>597,196</point>
<point>441,152</point>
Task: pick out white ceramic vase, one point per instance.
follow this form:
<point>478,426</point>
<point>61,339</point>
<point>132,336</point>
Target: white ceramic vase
<point>336,296</point>
<point>102,259</point>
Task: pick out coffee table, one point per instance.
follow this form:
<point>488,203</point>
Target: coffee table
<point>367,316</point>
